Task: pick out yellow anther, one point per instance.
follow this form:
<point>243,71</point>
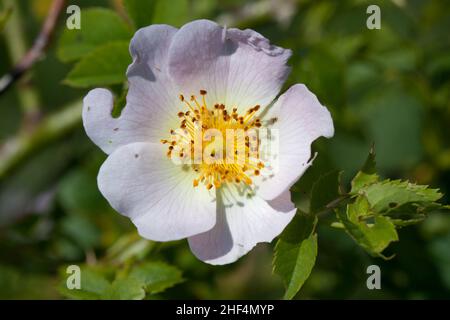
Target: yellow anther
<point>201,117</point>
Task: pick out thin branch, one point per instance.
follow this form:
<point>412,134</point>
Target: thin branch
<point>38,48</point>
<point>15,39</point>
<point>333,204</point>
<point>53,127</point>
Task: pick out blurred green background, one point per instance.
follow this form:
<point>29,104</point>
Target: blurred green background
<point>390,87</point>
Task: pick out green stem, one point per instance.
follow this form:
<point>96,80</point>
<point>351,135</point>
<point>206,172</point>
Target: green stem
<point>333,204</point>
<point>53,127</point>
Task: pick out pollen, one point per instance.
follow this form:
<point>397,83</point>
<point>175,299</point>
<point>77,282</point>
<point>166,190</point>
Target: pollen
<point>237,164</point>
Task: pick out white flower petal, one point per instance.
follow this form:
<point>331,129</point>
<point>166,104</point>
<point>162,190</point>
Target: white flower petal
<point>257,69</point>
<point>97,120</point>
<point>140,182</point>
<point>238,68</point>
<point>242,222</point>
<point>152,100</point>
<point>301,120</point>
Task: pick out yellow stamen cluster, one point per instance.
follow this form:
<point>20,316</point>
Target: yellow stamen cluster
<point>197,120</point>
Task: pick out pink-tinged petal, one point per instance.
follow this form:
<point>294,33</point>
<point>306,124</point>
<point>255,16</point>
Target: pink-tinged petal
<point>301,119</point>
<point>257,69</point>
<point>242,222</point>
<point>140,182</point>
<point>238,68</point>
<point>97,120</point>
<point>152,100</point>
<point>199,59</point>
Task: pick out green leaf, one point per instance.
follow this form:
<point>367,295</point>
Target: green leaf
<point>125,289</point>
<point>77,192</point>
<point>367,174</point>
<point>92,282</point>
<point>119,103</point>
<point>98,27</point>
<point>95,285</point>
<point>380,234</point>
<point>388,195</point>
<point>140,11</point>
<point>157,276</point>
<point>80,230</point>
<point>324,191</point>
<point>128,246</point>
<point>379,207</point>
<point>372,232</point>
<point>21,285</point>
<point>174,12</point>
<point>295,253</point>
<point>104,66</point>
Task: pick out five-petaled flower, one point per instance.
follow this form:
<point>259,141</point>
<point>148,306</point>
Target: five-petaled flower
<point>193,79</point>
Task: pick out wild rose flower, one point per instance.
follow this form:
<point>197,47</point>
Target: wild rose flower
<point>187,81</point>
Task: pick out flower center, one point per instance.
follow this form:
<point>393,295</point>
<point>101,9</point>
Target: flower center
<point>221,145</point>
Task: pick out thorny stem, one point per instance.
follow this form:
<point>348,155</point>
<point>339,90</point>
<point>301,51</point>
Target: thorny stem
<point>16,149</point>
<point>16,44</point>
<point>14,35</point>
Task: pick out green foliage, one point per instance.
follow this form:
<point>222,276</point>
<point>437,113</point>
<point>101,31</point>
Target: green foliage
<point>157,276</point>
<point>140,11</point>
<point>387,196</point>
<point>93,285</point>
<point>20,285</point>
<point>98,27</point>
<point>128,247</point>
<point>124,289</point>
<point>388,86</point>
<point>295,253</point>
<point>104,66</point>
<point>393,120</point>
<point>367,174</point>
<point>379,207</point>
<point>137,283</point>
<point>176,12</point>
<point>376,209</point>
<point>373,237</point>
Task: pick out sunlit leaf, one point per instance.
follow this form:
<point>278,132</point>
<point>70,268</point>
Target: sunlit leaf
<point>93,284</point>
<point>388,195</point>
<point>379,207</point>
<point>157,276</point>
<point>104,66</point>
<point>367,174</point>
<point>125,289</point>
<point>374,234</point>
<point>98,27</point>
<point>295,253</point>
